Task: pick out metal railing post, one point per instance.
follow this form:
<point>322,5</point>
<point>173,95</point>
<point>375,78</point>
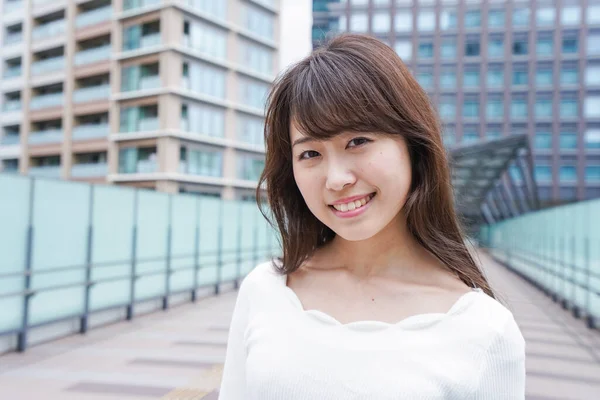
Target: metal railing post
<point>22,335</point>
<point>133,271</point>
<point>169,271</point>
<point>83,325</point>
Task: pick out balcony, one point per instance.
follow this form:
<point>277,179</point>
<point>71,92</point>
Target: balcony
<point>49,171</point>
<point>12,72</point>
<point>150,40</point>
<point>149,82</point>
<point>11,105</point>
<point>134,4</point>
<point>89,170</point>
<point>9,140</point>
<point>94,17</point>
<point>93,55</point>
<point>148,124</point>
<point>47,65</point>
<point>101,92</point>
<point>146,166</point>
<point>46,136</point>
<point>90,131</point>
<point>49,29</point>
<point>10,6</point>
<point>46,100</point>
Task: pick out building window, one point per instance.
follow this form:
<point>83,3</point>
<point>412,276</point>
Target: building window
<point>593,14</point>
<point>520,75</point>
<point>593,44</point>
<point>496,47</point>
<point>471,108</point>
<point>381,22</point>
<point>448,20</point>
<point>448,79</point>
<point>592,106</point>
<point>520,46</point>
<point>403,22</point>
<point>471,78</point>
<point>425,50</point>
<point>543,108</point>
<point>359,22</point>
<point>518,108</point>
<point>592,138</point>
<point>470,134</point>
<point>568,107</point>
<point>592,173</point>
<point>569,75</point>
<point>521,16</point>
<point>496,18</point>
<point>472,48</point>
<point>592,75</point>
<point>569,45</point>
<point>567,173</point>
<point>494,108</point>
<point>545,16</point>
<point>448,50</point>
<point>543,140</point>
<point>570,15</point>
<point>543,173</point>
<point>568,141</point>
<point>473,19</point>
<point>426,21</point>
<point>493,132</point>
<point>544,46</point>
<point>448,108</point>
<point>543,76</point>
<point>403,49</point>
<point>495,77</point>
<point>425,79</point>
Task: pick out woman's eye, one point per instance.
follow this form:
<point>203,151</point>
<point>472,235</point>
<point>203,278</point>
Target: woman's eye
<point>306,155</point>
<point>359,141</point>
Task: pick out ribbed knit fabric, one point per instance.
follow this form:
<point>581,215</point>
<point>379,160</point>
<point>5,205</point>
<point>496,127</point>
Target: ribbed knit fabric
<point>279,351</point>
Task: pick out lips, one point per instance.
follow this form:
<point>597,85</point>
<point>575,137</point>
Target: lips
<point>354,203</point>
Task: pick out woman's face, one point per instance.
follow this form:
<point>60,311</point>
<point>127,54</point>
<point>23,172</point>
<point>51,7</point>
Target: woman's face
<point>355,183</point>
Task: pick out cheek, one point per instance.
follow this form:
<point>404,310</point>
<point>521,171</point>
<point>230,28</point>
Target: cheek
<point>391,168</point>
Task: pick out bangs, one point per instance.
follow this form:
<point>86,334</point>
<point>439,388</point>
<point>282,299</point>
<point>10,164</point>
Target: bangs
<point>339,91</point>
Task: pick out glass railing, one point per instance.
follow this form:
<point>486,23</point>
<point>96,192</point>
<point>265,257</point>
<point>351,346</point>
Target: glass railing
<point>10,6</point>
<point>148,124</point>
<point>11,105</point>
<point>46,136</point>
<point>184,124</point>
<point>49,29</point>
<point>10,139</point>
<point>47,65</point>
<point>91,93</point>
<point>89,170</point>
<point>133,4</point>
<point>12,72</point>
<point>146,166</point>
<point>42,1</point>
<point>93,55</point>
<point>90,131</point>
<point>94,17</point>
<point>14,38</point>
<point>150,40</point>
<point>50,171</point>
<point>150,82</point>
<point>46,100</point>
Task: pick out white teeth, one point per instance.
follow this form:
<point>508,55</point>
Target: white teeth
<point>352,205</point>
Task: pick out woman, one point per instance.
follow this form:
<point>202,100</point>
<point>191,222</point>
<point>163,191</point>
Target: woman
<point>376,295</point>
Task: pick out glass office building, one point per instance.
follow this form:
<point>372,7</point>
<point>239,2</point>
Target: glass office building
<point>497,68</point>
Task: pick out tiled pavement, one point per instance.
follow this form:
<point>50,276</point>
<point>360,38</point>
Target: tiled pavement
<point>179,354</point>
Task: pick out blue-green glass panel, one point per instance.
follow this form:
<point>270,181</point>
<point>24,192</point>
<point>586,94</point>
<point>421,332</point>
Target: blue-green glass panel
<point>112,223</point>
<point>249,220</point>
<point>152,223</point>
<point>210,215</point>
<point>184,219</point>
<point>14,214</point>
<point>60,226</point>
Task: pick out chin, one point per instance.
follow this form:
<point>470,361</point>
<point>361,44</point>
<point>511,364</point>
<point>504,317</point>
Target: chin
<point>355,235</point>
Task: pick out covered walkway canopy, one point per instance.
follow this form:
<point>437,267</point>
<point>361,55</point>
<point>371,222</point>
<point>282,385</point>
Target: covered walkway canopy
<point>493,180</point>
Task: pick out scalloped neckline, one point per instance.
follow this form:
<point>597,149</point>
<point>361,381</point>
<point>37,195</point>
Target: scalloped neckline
<point>412,321</point>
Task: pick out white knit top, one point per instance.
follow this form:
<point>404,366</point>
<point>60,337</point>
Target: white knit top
<point>279,351</point>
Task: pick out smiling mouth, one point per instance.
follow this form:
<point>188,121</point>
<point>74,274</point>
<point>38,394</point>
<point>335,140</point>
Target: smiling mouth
<point>353,205</point>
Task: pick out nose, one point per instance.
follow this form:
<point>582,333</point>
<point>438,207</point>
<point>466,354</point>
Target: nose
<point>338,176</point>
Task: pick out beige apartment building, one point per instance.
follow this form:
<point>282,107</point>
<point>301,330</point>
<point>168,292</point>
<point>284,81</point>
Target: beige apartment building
<point>167,95</point>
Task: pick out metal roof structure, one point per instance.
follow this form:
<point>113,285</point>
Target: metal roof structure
<point>493,180</point>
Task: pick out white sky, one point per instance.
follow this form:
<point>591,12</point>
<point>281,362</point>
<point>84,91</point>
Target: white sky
<point>296,23</point>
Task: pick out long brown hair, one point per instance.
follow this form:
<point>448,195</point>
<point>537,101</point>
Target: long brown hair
<point>357,83</point>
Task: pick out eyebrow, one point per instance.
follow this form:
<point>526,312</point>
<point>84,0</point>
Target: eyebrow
<point>303,140</point>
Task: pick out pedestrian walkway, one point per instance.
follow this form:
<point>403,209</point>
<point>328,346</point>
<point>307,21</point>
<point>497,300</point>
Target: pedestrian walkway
<point>179,354</point>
